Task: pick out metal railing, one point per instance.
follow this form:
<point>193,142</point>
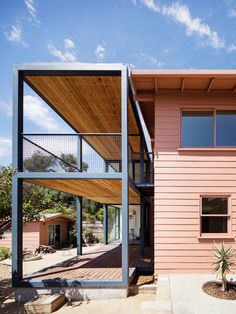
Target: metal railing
<point>84,152</point>
<point>141,167</point>
<point>92,153</point>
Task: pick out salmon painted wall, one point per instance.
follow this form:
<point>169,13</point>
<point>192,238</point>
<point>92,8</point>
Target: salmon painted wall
<point>44,230</point>
<point>180,178</point>
<point>30,236</point>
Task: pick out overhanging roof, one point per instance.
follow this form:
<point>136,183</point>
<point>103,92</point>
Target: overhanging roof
<point>89,103</point>
<point>147,83</point>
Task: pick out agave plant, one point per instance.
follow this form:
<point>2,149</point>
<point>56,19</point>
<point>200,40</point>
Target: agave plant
<point>223,262</point>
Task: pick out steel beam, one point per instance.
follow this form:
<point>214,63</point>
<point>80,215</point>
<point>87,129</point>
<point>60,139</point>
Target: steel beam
<point>125,176</point>
<point>141,159</point>
<point>105,224</point>
<point>142,226</point>
<point>17,184</point>
<point>69,175</point>
<point>17,130</point>
<point>79,225</point>
<point>17,229</point>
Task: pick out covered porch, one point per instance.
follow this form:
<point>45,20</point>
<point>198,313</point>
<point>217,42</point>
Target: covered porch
<point>104,262</point>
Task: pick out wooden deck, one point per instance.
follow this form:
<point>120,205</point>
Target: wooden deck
<point>102,264</point>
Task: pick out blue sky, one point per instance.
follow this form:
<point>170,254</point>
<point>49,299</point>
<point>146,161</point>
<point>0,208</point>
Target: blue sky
<point>142,33</point>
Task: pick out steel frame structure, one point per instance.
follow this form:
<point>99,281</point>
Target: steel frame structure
<point>17,196</point>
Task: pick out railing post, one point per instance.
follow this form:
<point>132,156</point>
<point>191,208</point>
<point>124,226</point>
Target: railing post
<point>105,224</point>
<point>125,176</point>
<point>141,159</point>
<point>79,224</point>
<point>17,184</point>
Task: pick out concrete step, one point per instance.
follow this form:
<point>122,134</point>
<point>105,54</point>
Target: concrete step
<point>45,304</point>
<point>144,289</point>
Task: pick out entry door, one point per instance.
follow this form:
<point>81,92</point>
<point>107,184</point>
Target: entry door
<point>54,235</point>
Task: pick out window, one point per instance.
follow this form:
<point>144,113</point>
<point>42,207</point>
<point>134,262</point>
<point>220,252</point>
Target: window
<point>215,215</point>
<point>226,128</point>
<point>198,128</point>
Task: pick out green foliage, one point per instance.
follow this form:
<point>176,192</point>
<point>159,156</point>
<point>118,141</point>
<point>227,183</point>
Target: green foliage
<point>4,253</point>
<point>224,260</point>
<point>89,237</point>
<point>39,199</point>
<point>69,163</point>
<point>99,214</point>
<point>39,162</point>
<point>5,192</point>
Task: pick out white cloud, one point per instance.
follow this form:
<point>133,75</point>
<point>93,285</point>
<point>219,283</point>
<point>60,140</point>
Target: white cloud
<point>35,111</point>
<point>4,106</point>
<point>151,5</point>
<point>32,11</point>
<point>69,55</point>
<point>152,60</point>
<point>181,14</point>
<point>100,52</point>
<point>5,146</point>
<point>15,34</point>
<point>231,48</point>
<point>132,66</point>
<point>232,13</point>
<point>69,44</point>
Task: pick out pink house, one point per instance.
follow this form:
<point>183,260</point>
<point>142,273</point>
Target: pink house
<point>52,229</point>
<point>191,118</point>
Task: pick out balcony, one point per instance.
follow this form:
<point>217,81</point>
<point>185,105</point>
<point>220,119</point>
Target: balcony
<point>86,153</point>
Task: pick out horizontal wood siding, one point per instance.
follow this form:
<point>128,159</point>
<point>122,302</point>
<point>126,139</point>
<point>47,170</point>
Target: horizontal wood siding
<point>30,236</point>
<point>180,178</point>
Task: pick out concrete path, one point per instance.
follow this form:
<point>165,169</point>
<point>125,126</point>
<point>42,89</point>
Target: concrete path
<point>52,259</point>
<point>182,294</point>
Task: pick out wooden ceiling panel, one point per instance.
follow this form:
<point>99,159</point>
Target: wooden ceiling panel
<point>90,104</point>
<point>99,190</point>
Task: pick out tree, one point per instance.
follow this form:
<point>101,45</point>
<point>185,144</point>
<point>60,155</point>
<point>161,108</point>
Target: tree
<point>224,261</point>
<point>6,173</point>
<point>69,163</point>
<point>39,163</point>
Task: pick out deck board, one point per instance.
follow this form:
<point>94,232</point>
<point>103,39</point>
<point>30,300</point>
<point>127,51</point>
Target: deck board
<point>102,264</point>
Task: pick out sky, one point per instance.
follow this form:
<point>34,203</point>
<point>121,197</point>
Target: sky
<point>145,34</point>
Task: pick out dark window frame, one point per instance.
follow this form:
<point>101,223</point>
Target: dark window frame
<point>200,110</point>
<point>228,216</point>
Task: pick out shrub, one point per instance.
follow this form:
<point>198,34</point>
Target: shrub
<point>89,237</point>
<point>4,253</point>
<point>223,262</point>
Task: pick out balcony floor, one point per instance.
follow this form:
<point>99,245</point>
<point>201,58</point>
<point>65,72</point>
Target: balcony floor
<point>105,263</point>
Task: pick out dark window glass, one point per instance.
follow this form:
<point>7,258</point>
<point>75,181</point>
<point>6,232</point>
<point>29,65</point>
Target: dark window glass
<point>217,206</point>
<point>197,129</point>
<point>214,225</point>
<point>226,128</point>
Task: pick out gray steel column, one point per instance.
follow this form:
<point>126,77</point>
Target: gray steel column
<point>142,226</point>
<point>17,184</point>
<point>105,224</point>
<point>125,176</point>
<point>17,230</point>
<point>79,224</point>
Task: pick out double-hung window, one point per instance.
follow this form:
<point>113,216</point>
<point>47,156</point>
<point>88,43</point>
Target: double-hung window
<point>208,128</point>
<point>215,215</point>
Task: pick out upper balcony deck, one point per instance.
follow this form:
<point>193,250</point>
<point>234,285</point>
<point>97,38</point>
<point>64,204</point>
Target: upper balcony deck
<point>90,101</point>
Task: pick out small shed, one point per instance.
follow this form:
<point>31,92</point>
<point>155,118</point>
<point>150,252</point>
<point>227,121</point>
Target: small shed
<point>51,229</point>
